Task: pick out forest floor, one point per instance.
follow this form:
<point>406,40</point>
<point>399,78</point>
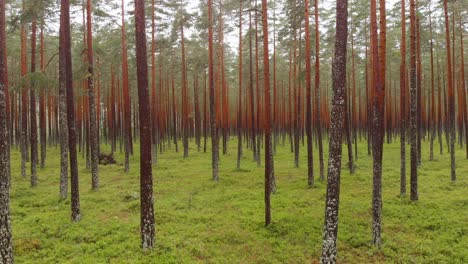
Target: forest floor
<point>199,221</point>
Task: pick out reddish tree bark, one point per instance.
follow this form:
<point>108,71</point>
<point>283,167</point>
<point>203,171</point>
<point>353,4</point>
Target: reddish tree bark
<point>146,176</point>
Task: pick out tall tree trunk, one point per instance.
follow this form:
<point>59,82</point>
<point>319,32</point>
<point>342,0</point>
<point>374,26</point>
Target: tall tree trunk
<point>42,114</point>
<point>24,102</point>
<point>32,106</point>
<point>419,88</point>
<point>379,61</point>
<point>268,150</point>
<point>451,98</point>
<point>432,108</point>
<point>214,129</point>
<point>257,86</point>
<point>403,91</point>
<point>196,102</point>
<point>65,54</point>
<point>413,107</point>
<point>317,92</point>
<point>93,137</point>
<point>6,243</point>
<point>146,176</point>
<point>185,121</point>
<point>127,117</point>
<point>239,108</point>
<point>330,233</point>
<point>251,89</point>
<point>464,107</point>
<point>310,160</point>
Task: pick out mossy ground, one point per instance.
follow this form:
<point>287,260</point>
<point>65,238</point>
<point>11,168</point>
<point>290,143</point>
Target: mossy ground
<point>199,221</point>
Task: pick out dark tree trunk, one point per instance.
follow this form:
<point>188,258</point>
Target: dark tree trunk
<point>146,176</point>
<point>6,243</point>
<point>330,233</point>
<point>310,154</point>
<point>317,92</point>
<point>32,107</point>
<point>413,106</point>
<point>268,151</point>
<point>65,53</point>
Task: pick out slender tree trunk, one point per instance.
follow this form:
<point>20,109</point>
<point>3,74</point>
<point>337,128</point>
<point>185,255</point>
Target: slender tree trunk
<point>432,108</point>
<point>464,107</point>
<point>239,109</point>
<point>146,176</point>
<point>419,88</point>
<point>251,89</point>
<point>185,125</point>
<point>379,62</point>
<point>257,87</point>
<point>174,113</point>
<point>24,102</point>
<point>42,114</point>
<point>413,107</point>
<point>403,101</point>
<point>127,116</point>
<point>439,108</point>
<point>32,106</point>
<point>310,160</point>
<point>93,137</point>
<point>154,110</point>
<point>196,102</point>
<point>317,92</point>
<point>329,250</point>
<point>65,53</point>
<point>205,116</point>
<point>268,150</point>
<point>214,129</point>
<point>451,98</point>
<point>6,243</point>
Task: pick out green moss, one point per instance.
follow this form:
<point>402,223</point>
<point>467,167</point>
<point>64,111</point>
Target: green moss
<point>199,221</point>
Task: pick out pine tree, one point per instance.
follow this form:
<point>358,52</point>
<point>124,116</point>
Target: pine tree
<point>6,243</point>
<point>65,54</point>
<point>329,250</point>
<point>146,175</point>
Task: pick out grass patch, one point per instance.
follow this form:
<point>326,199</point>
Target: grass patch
<point>199,221</point>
